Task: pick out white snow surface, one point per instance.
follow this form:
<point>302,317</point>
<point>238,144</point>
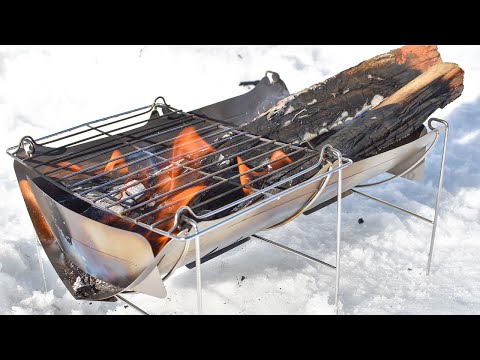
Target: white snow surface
<point>48,88</point>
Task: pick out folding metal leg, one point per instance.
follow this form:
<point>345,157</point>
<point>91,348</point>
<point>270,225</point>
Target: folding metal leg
<point>339,230</point>
<point>198,270</point>
<point>198,265</point>
<point>293,251</point>
<point>439,190</point>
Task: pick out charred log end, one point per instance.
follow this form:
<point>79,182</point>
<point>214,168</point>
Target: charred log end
<point>455,79</point>
<point>420,57</point>
<point>416,57</point>
<point>400,114</point>
<point>438,76</point>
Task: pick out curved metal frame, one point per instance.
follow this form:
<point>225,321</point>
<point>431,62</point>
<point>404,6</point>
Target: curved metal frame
<point>308,203</point>
<point>342,163</point>
<point>427,152</point>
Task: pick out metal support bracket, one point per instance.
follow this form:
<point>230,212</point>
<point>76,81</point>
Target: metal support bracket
<point>198,264</point>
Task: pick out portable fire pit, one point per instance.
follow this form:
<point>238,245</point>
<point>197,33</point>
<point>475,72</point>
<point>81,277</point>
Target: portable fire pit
<point>120,203</point>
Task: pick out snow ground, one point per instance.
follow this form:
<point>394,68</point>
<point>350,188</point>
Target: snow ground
<point>48,88</point>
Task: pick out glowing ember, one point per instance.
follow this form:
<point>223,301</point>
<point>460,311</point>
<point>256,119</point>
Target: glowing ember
<point>277,160</point>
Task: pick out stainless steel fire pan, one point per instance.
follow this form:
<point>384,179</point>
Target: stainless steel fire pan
<point>125,259</point>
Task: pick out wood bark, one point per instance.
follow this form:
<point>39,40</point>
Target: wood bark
<point>391,121</point>
<point>311,112</point>
<point>399,115</point>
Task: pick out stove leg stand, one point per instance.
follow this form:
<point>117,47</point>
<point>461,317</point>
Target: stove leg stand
<point>340,159</point>
<point>138,308</point>
<point>198,271</point>
<point>439,189</point>
<point>339,232</point>
<point>198,265</point>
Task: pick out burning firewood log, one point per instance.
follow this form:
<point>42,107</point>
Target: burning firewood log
<point>399,115</point>
<point>395,118</point>
<point>349,111</point>
<point>317,109</point>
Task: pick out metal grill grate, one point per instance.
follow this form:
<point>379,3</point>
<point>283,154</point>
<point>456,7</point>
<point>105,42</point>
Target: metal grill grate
<point>142,151</point>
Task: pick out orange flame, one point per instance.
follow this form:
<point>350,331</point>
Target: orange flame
<point>64,166</point>
<point>118,162</point>
<point>183,197</point>
<point>188,145</point>
<point>276,162</point>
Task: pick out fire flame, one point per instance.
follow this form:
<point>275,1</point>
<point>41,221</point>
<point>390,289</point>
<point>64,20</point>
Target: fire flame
<point>65,165</point>
<point>277,160</point>
<point>177,200</point>
<point>118,162</point>
<point>188,145</point>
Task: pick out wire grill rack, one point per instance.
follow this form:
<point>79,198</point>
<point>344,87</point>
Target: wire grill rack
<point>124,165</point>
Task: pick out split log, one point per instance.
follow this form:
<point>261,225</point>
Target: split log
<point>399,115</point>
<point>391,121</point>
<point>311,112</point>
<point>395,118</point>
<point>411,99</point>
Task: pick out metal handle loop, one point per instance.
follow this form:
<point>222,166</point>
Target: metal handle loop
<point>26,140</point>
<point>275,77</point>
